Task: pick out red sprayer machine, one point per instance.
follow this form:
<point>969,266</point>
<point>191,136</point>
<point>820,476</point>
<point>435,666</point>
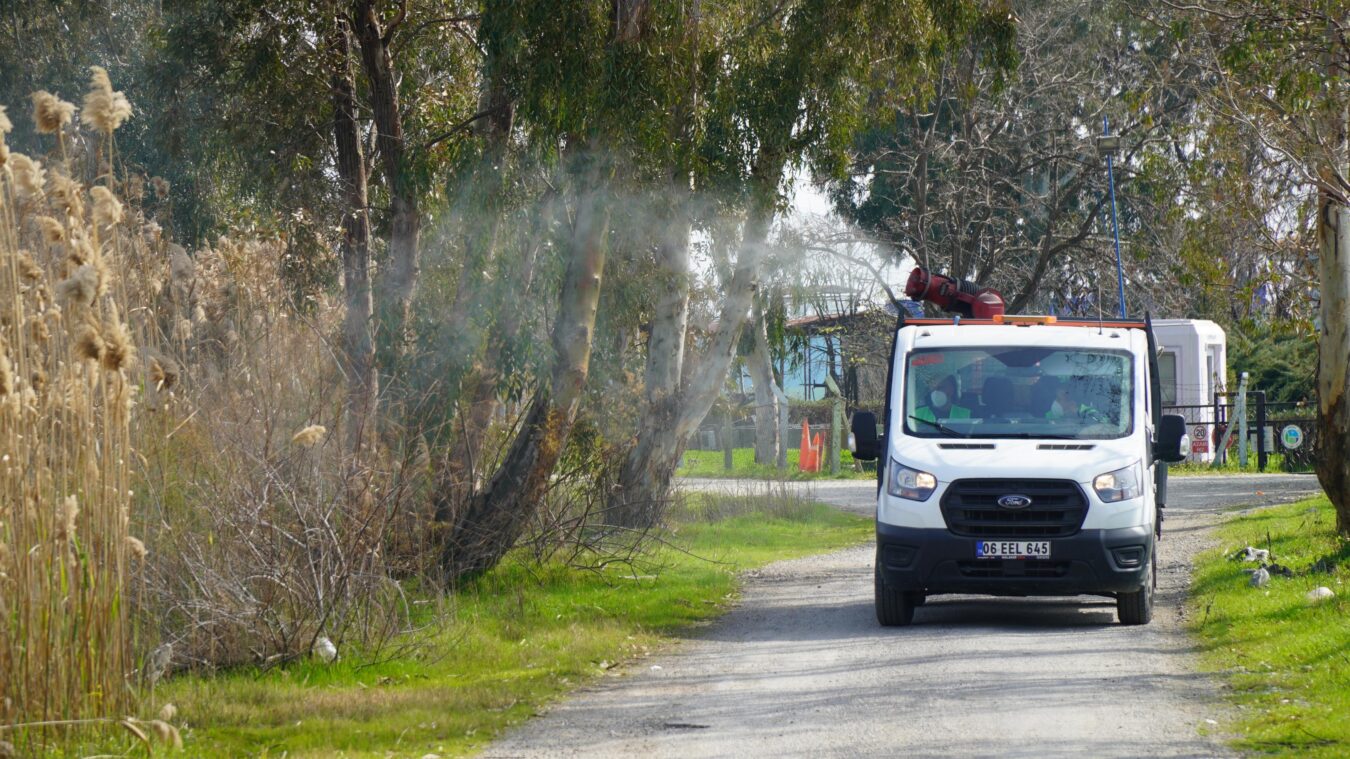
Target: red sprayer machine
<point>957,296</point>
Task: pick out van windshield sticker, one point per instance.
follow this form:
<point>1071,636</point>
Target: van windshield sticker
<point>925,359</point>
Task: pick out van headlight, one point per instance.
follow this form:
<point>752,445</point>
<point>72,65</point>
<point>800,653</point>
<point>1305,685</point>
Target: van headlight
<point>1120,485</point>
<point>909,483</point>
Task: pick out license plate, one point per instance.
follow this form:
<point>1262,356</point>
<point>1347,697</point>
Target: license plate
<point>1012,549</point>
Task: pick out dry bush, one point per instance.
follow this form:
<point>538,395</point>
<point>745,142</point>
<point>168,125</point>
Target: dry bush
<point>128,363</point>
<point>66,556</point>
<point>266,533</point>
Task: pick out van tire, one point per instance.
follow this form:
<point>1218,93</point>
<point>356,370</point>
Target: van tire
<point>1137,608</point>
<point>895,608</point>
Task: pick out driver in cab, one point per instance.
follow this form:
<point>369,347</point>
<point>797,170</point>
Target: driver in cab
<point>941,403</point>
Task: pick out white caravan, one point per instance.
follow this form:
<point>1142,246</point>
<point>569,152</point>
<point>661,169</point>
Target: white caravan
<point>1023,456</point>
<point>1192,366</point>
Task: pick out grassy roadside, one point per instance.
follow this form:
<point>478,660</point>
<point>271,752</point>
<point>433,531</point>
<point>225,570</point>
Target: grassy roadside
<point>520,637</point>
<point>1285,661</point>
<point>710,464</point>
<point>1274,465</point>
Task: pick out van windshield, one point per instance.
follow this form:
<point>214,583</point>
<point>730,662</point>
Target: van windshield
<point>1019,392</point>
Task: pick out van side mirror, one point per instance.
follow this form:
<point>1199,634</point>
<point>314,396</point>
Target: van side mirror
<point>863,441</point>
<point>1171,442</point>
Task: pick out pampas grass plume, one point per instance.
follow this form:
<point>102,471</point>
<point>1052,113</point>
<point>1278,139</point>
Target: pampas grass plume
<point>5,128</point>
<point>103,107</point>
<point>53,231</point>
<point>70,511</point>
<point>29,175</point>
<point>51,113</point>
<point>163,372</point>
<point>6,375</point>
<point>88,343</point>
<point>310,435</point>
<point>28,267</point>
<point>81,287</point>
<point>118,350</point>
<point>107,209</point>
<point>68,194</point>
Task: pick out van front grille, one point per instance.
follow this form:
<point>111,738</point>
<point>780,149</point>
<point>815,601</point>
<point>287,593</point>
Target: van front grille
<point>971,508</point>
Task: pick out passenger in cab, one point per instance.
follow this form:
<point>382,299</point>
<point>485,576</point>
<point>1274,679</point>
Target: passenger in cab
<point>941,402</point>
<point>1066,409</point>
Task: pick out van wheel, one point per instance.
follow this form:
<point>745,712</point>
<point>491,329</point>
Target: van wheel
<point>1137,608</point>
<point>895,608</point>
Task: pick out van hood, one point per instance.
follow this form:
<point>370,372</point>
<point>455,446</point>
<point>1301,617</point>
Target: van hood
<point>951,459</point>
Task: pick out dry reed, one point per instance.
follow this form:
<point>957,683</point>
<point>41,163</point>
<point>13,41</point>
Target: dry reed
<point>66,633</point>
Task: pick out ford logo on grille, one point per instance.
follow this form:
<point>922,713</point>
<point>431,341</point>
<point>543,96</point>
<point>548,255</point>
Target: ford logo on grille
<point>1014,501</point>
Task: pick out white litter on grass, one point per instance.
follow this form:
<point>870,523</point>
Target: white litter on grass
<point>1260,578</point>
<point>324,649</point>
<point>1255,554</point>
<point>656,667</point>
<point>1320,594</point>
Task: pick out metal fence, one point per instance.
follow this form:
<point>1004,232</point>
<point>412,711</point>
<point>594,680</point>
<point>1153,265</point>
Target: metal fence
<point>1288,429</point>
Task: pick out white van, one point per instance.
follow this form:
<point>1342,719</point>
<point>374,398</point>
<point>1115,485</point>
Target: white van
<point>1023,456</point>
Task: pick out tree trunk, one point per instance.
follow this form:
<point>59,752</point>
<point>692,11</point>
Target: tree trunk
<point>670,321</point>
<point>396,286</point>
<point>496,518</point>
<point>767,441</point>
<point>358,346</point>
<point>644,479</point>
<point>1333,368</point>
<point>461,478</point>
<point>477,397</point>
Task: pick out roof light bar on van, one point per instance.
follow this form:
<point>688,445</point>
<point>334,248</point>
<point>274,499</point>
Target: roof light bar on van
<point>1023,321</point>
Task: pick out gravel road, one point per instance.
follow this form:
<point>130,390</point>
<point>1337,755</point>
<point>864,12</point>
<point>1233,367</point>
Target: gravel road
<point>800,667</point>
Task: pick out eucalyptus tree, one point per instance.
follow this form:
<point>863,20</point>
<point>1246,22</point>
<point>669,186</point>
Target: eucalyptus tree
<point>1283,79</point>
<point>788,84</point>
<point>593,88</point>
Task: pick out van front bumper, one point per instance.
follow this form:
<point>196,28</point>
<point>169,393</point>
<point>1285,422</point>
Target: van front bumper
<point>1091,562</point>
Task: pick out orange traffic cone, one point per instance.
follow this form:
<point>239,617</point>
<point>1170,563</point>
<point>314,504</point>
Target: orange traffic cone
<point>804,460</point>
<point>817,448</point>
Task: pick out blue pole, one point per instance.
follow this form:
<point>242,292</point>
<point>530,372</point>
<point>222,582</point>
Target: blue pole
<point>1115,229</point>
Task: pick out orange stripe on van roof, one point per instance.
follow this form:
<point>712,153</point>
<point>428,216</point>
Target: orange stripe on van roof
<point>1119,323</point>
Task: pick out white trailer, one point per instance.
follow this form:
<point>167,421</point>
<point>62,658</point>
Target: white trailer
<point>1193,365</point>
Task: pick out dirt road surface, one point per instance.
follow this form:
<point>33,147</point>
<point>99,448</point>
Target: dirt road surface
<point>801,668</point>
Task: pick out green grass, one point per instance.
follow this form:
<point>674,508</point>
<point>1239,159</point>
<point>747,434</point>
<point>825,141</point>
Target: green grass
<point>1274,464</point>
<point>710,464</point>
<point>1286,663</point>
<point>520,637</point>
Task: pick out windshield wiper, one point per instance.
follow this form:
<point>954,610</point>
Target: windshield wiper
<point>939,425</point>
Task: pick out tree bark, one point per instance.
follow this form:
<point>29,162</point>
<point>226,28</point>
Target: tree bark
<point>396,286</point>
<point>670,320</point>
<point>496,518</point>
<point>1333,367</point>
<point>767,440</point>
<point>477,397</point>
<point>357,339</point>
<point>644,478</point>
